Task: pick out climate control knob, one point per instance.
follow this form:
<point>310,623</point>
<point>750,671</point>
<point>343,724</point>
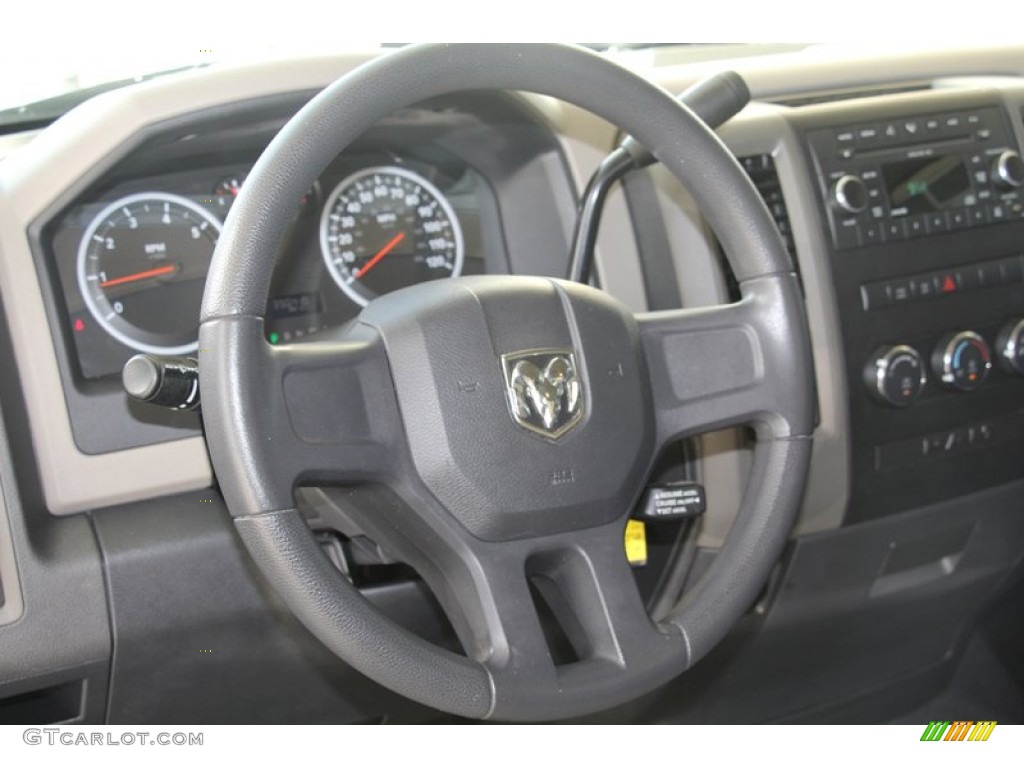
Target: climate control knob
<point>962,360</point>
<point>896,375</point>
<point>1010,345</point>
<point>849,194</point>
<point>1008,170</point>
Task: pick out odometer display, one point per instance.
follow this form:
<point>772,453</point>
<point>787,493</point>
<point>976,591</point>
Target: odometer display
<point>142,266</point>
<point>386,228</point>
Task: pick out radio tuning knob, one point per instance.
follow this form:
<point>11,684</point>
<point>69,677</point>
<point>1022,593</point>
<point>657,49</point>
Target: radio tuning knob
<point>896,375</point>
<point>1008,170</point>
<point>849,194</point>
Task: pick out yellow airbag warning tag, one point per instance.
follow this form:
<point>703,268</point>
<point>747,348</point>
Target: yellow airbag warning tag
<point>636,543</point>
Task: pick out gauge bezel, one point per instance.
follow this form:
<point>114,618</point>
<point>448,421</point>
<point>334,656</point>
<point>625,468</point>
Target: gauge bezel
<point>95,309</point>
<point>341,280</point>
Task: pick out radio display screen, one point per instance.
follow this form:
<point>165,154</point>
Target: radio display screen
<point>926,184</point>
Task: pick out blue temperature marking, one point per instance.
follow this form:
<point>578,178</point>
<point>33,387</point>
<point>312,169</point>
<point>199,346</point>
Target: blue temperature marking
<point>956,355</point>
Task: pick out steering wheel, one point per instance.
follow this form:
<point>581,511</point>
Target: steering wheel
<point>499,429</point>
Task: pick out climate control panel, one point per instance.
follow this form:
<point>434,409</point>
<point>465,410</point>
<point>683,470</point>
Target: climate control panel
<point>896,375</point>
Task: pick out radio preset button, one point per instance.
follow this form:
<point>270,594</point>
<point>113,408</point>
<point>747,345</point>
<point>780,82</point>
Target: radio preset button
<point>916,226</point>
<point>872,234</point>
<point>937,222</point>
<point>894,230</point>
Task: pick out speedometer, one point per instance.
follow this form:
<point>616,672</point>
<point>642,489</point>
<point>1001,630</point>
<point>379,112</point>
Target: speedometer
<point>385,228</point>
<point>142,266</point>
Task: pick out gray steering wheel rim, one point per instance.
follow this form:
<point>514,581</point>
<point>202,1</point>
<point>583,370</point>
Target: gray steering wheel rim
<point>238,285</point>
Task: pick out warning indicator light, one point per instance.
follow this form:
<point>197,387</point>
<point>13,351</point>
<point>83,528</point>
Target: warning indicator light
<point>79,325</point>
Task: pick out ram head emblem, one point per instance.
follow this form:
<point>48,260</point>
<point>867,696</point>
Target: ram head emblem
<point>544,391</point>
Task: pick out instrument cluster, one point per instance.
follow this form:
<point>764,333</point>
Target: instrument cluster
<point>133,260</point>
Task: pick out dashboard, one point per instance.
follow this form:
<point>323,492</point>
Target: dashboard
<point>895,180</point>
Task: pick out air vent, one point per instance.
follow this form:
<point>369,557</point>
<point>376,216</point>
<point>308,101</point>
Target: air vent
<point>761,169</point>
<point>829,97</point>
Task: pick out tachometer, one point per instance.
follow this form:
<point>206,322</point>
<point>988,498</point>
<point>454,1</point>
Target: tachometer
<point>385,228</point>
<point>142,266</point>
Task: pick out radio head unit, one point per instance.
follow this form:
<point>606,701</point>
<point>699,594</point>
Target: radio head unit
<point>896,179</point>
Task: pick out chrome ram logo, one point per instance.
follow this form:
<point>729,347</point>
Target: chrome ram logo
<point>544,391</point>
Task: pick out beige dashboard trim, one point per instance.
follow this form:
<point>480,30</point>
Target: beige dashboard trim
<point>836,67</point>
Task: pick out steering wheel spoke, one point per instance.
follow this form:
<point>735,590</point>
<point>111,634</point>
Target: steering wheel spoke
<point>557,622</point>
<point>320,412</point>
<point>729,365</point>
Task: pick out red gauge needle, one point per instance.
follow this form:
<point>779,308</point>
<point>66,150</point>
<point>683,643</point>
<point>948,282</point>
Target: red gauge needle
<point>380,254</point>
<point>139,276</point>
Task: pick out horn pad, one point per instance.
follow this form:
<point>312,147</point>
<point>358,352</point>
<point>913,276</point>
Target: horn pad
<point>524,400</point>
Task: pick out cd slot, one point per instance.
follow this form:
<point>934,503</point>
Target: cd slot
<point>915,149</point>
